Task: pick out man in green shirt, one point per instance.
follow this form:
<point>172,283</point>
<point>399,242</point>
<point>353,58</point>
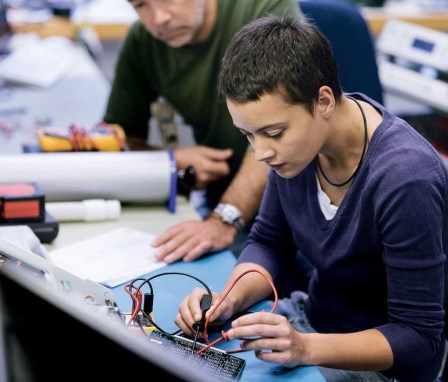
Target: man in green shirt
<point>174,51</point>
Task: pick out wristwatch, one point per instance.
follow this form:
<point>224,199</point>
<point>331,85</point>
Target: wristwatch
<point>229,214</point>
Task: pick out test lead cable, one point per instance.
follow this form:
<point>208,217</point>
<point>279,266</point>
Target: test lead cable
<point>135,292</point>
<point>224,333</point>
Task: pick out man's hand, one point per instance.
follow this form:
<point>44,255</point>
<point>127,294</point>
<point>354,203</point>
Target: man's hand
<point>209,164</point>
<point>191,239</point>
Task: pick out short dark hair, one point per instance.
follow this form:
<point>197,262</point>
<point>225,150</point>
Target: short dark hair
<point>282,54</point>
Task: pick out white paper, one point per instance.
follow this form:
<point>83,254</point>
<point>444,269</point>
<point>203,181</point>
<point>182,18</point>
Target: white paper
<point>111,258</point>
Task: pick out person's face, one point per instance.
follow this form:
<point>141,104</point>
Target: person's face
<point>285,137</point>
<point>175,22</point>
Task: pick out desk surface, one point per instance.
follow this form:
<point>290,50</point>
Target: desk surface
<point>152,219</point>
<point>169,292</point>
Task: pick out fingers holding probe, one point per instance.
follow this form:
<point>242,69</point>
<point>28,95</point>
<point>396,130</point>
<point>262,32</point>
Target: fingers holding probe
<point>190,312</point>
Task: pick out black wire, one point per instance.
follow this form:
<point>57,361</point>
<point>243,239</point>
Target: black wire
<point>177,273</point>
<point>131,286</point>
<point>141,279</point>
<point>362,154</point>
<point>147,281</point>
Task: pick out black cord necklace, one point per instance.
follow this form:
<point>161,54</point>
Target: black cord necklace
<point>362,155</point>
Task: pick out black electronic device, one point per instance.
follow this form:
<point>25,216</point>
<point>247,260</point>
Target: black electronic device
<point>46,230</point>
<point>48,334</point>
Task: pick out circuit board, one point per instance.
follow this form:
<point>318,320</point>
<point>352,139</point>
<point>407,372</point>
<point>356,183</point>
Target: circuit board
<point>213,360</point>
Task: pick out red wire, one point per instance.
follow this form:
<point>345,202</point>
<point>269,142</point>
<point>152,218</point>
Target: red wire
<point>223,333</point>
<point>73,141</point>
<point>137,301</point>
<point>82,140</point>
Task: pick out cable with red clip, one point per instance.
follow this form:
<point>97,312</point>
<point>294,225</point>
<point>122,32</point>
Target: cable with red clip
<point>136,301</point>
<point>224,334</point>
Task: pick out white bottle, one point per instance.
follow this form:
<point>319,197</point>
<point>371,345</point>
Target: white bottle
<point>86,210</point>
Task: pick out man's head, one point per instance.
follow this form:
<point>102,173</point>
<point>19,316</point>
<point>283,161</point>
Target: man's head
<point>281,55</point>
<point>177,22</point>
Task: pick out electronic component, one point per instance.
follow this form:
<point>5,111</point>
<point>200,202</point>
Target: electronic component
<point>213,360</point>
<point>413,60</point>
<point>141,323</point>
<point>206,302</point>
<point>90,293</point>
<point>21,203</point>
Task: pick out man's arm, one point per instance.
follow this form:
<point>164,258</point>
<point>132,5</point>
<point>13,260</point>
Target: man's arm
<point>189,240</point>
<point>246,190</point>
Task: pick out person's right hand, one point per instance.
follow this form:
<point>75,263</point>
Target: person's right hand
<point>190,310</point>
<point>209,164</point>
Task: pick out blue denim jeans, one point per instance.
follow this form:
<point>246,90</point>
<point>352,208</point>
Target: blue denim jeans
<point>294,309</point>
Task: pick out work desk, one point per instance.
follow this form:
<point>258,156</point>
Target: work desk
<point>376,18</point>
<point>213,270</point>
<point>60,26</point>
<point>169,291</point>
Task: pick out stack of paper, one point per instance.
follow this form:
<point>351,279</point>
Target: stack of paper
<point>111,259</point>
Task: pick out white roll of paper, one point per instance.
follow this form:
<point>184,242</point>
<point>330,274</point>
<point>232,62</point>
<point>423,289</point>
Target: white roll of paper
<point>134,176</point>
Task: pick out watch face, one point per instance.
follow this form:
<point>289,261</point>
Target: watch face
<point>229,214</point>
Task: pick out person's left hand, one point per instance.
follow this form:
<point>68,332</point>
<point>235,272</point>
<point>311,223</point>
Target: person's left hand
<point>191,239</point>
<point>275,340</point>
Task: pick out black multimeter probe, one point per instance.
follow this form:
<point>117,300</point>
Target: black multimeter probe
<point>206,302</point>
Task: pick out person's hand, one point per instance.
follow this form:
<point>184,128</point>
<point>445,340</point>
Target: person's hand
<point>190,310</point>
<point>209,164</point>
<point>275,340</point>
<point>191,239</point>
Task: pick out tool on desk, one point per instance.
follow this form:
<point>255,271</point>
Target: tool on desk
<point>24,204</point>
<point>135,287</point>
<point>199,326</point>
<point>202,325</point>
<point>21,203</point>
<point>212,359</point>
<point>224,295</point>
<point>102,137</point>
